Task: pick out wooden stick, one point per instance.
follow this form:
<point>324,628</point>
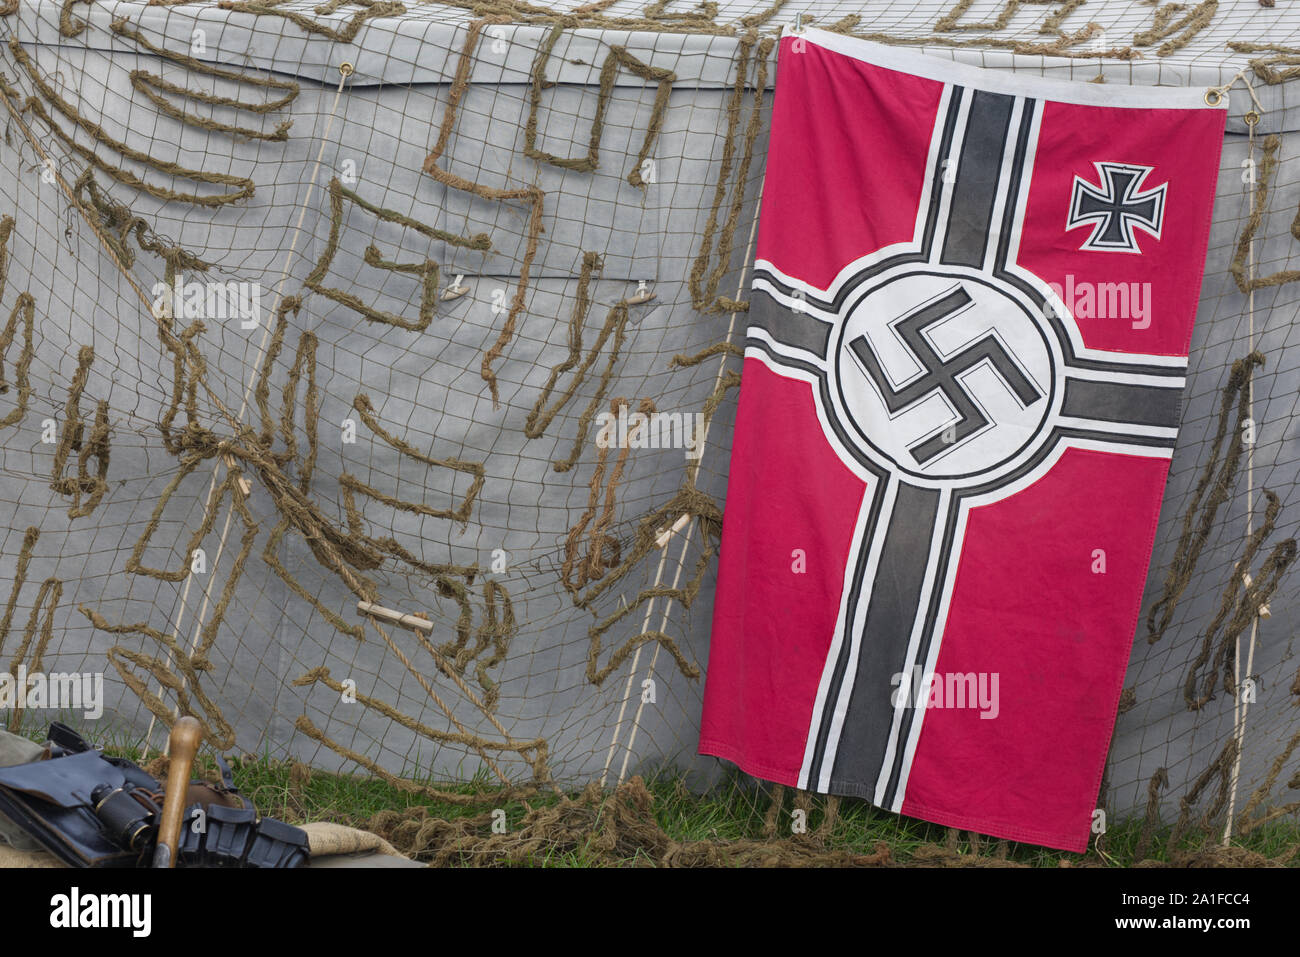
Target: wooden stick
<point>182,747</point>
<point>414,622</point>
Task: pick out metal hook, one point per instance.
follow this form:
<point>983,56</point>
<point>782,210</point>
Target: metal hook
<point>642,294</point>
<point>455,290</point>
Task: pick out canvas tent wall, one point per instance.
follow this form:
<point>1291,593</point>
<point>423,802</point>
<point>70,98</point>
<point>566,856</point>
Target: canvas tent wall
<point>664,191</point>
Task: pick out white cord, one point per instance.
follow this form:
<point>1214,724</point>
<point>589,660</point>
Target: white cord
<point>686,538</point>
<point>252,382</point>
<point>1241,707</point>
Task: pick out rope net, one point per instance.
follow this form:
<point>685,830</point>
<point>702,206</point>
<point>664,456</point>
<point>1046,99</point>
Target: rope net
<point>312,318</point>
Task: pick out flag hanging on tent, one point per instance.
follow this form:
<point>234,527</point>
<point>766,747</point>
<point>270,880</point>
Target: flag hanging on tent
<point>967,345</point>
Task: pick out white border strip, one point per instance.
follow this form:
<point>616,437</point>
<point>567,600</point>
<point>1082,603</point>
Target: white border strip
<point>1014,84</point>
<point>1128,378</point>
<point>854,630</point>
<point>1118,428</point>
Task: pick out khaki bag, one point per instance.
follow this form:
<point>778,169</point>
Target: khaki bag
<point>15,749</point>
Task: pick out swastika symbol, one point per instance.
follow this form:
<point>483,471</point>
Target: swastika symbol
<point>941,374</point>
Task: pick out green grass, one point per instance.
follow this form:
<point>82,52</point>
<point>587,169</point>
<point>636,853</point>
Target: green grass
<point>733,810</point>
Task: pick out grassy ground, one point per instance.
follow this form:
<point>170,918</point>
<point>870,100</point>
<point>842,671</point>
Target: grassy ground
<point>734,810</point>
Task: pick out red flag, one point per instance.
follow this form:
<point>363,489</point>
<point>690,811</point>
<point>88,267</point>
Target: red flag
<point>967,345</point>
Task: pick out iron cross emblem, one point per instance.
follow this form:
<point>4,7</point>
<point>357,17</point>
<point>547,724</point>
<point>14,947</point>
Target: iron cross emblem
<point>1116,207</point>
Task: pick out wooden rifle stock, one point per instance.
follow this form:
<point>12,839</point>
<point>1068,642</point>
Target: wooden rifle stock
<point>182,747</point>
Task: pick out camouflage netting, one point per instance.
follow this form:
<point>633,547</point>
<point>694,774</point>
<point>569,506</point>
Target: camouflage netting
<point>311,305</point>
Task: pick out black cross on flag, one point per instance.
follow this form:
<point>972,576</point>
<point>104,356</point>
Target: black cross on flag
<point>1119,208</point>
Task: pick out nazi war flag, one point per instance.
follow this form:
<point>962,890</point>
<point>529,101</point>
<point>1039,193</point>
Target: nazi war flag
<point>967,345</point>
